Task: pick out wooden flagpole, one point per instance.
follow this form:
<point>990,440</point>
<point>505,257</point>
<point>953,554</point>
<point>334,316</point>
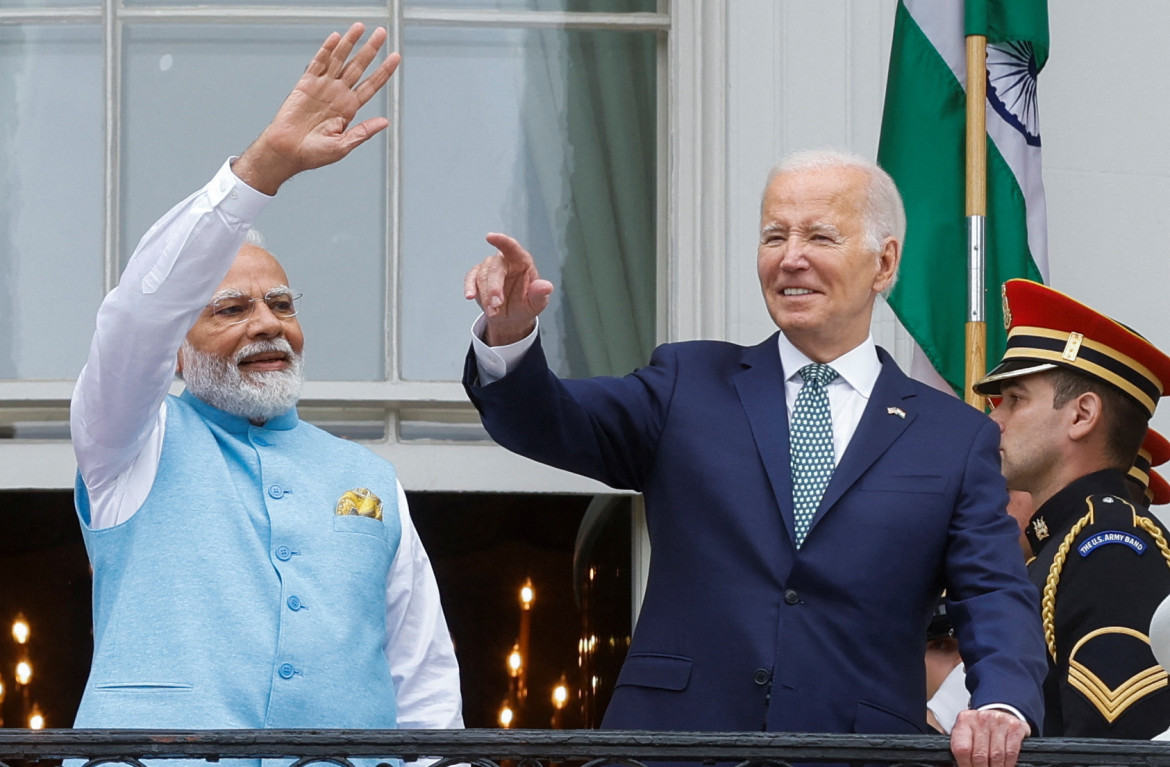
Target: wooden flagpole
<point>976,211</point>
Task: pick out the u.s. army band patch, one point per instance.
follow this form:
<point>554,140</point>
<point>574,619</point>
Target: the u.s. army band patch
<point>361,502</point>
<point>1106,537</point>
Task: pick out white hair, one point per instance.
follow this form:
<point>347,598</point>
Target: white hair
<point>258,396</point>
<point>255,239</point>
<point>885,215</point>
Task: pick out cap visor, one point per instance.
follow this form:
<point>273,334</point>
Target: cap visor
<point>989,385</point>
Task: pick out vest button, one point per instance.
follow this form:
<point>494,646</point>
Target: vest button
<point>286,671</point>
<point>294,603</point>
<point>276,491</point>
<point>761,676</point>
<point>283,553</point>
<point>791,596</point>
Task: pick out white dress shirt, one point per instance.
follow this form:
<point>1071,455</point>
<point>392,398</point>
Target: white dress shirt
<point>951,699</point>
<point>118,421</point>
<point>857,372</point>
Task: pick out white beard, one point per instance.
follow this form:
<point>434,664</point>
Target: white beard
<point>257,396</point>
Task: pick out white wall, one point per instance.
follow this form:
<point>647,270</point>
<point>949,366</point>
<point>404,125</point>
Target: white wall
<point>1106,103</point>
<point>801,74</point>
<point>807,73</point>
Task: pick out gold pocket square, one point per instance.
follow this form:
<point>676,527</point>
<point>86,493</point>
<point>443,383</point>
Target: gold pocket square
<point>361,502</point>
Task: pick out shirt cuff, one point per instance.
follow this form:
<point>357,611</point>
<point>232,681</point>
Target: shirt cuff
<point>233,196</point>
<point>950,698</point>
<point>495,362</point>
<point>1005,707</point>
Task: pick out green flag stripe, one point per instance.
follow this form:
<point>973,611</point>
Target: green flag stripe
<point>1003,22</point>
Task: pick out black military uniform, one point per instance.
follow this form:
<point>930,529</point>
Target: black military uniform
<point>1102,567</point>
<point>1102,564</point>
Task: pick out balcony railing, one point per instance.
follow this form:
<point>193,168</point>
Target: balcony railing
<point>541,748</point>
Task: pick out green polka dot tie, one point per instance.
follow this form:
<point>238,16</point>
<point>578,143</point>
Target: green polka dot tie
<point>811,440</point>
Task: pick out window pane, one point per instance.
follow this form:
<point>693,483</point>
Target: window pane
<point>597,6</point>
<point>195,95</point>
<point>548,135</point>
<point>371,7</point>
<point>51,197</point>
<point>50,4</point>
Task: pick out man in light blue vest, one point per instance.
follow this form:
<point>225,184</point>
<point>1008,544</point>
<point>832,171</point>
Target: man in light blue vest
<point>250,570</point>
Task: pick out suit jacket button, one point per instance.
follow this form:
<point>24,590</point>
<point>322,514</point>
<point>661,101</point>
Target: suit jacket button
<point>791,596</point>
<point>761,676</point>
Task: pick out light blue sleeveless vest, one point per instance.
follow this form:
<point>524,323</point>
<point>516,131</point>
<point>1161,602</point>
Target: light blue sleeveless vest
<point>236,596</point>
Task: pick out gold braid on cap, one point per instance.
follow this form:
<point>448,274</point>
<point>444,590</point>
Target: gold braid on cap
<point>1048,602</point>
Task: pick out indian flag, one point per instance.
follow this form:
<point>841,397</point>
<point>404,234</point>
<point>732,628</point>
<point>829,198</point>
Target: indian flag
<point>922,147</point>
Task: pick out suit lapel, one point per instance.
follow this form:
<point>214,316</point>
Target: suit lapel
<point>887,415</point>
<point>761,391</point>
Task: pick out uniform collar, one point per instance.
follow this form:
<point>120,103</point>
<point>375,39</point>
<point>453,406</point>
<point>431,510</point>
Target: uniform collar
<point>237,424</point>
<point>1059,511</point>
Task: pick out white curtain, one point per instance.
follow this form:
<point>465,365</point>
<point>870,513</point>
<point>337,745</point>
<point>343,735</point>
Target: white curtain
<point>593,163</point>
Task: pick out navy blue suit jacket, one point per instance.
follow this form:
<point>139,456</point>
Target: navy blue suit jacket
<point>740,630</point>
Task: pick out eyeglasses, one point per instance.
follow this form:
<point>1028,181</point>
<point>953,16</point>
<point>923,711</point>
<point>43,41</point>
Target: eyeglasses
<point>232,310</point>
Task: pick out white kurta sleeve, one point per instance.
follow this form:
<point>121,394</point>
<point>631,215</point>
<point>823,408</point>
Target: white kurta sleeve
<point>418,644</point>
<point>116,415</point>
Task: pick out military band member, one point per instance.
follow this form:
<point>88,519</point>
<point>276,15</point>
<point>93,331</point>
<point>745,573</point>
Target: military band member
<point>1158,492</point>
<point>1144,483</point>
<point>1078,390</point>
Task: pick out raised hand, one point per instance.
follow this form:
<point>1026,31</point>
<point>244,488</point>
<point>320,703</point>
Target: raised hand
<point>312,127</point>
<point>508,289</point>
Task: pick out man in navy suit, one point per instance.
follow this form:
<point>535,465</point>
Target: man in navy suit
<point>753,618</point>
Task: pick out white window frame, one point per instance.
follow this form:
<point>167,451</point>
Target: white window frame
<point>692,203</point>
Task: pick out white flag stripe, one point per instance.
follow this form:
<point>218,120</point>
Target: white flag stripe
<point>922,370</point>
<point>942,23</point>
<point>1024,161</point>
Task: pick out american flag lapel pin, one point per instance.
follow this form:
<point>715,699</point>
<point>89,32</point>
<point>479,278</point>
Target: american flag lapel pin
<point>896,411</point>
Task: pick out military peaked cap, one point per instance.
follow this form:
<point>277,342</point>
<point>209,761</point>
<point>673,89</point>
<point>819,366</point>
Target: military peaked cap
<point>1049,330</point>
